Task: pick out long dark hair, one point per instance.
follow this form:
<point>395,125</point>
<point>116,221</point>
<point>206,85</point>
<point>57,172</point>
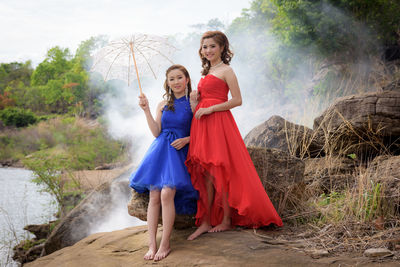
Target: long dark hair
<point>171,97</point>
<point>221,39</point>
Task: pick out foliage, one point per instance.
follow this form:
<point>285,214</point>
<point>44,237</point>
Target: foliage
<point>56,63</point>
<point>31,243</point>
<point>82,145</point>
<point>14,72</point>
<point>304,54</point>
<point>13,116</point>
<point>361,204</point>
<point>5,100</point>
<point>331,26</point>
<point>60,84</point>
<point>48,172</point>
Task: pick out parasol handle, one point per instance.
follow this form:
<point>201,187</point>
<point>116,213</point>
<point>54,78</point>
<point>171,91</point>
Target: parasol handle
<point>137,72</point>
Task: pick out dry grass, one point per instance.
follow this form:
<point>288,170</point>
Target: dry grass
<point>300,139</point>
<point>354,219</point>
<point>357,216</point>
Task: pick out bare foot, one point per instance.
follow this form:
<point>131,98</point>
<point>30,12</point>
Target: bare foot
<point>221,227</point>
<point>162,253</point>
<point>203,228</point>
<point>150,254</point>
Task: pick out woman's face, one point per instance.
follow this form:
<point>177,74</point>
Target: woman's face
<point>177,81</point>
<point>211,50</point>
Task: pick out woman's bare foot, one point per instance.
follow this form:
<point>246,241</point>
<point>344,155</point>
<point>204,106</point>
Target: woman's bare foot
<point>162,253</point>
<point>150,254</point>
<point>203,228</point>
<point>224,226</point>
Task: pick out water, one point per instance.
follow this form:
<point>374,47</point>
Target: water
<point>21,204</point>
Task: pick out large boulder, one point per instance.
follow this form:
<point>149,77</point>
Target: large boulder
<point>328,174</point>
<point>80,221</point>
<point>282,176</point>
<point>365,124</point>
<point>279,133</point>
<point>137,207</point>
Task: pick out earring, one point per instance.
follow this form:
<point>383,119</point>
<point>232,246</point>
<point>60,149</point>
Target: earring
<point>186,92</point>
<point>170,91</point>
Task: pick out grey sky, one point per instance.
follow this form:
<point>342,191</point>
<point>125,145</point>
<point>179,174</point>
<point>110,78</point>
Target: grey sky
<point>31,27</point>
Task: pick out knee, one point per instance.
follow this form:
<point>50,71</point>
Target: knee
<point>167,194</point>
<point>154,199</point>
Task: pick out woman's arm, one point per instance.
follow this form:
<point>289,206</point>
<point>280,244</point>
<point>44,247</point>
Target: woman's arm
<point>154,124</point>
<point>180,142</point>
<point>235,101</point>
<point>194,99</point>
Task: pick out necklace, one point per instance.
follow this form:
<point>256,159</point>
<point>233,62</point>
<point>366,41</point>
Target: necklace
<point>213,67</point>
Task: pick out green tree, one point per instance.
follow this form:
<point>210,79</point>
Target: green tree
<point>56,63</point>
<point>51,172</point>
<point>56,96</point>
<point>90,87</point>
<point>15,72</point>
<point>331,26</point>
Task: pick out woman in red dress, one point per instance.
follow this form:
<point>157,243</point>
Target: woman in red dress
<point>230,190</point>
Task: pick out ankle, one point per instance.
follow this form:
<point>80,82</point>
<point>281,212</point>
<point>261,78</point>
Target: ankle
<point>164,244</point>
<point>226,221</point>
<point>205,224</point>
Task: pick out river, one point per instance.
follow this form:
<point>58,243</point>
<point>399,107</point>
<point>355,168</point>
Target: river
<point>21,203</point>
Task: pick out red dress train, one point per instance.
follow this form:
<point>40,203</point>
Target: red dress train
<point>217,152</point>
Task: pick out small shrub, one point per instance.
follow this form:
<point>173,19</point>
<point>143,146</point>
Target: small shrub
<point>17,117</point>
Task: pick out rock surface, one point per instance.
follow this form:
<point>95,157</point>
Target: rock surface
<point>318,253</point>
<point>232,248</point>
<point>22,256</point>
<point>137,207</point>
<point>78,223</point>
<point>39,230</point>
<point>378,252</point>
<point>364,123</point>
<point>278,133</point>
<point>329,173</point>
<point>282,176</point>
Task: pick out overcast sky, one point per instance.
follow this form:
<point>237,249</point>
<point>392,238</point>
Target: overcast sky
<point>31,27</point>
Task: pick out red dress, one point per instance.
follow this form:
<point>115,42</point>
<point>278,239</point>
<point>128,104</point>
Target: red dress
<point>217,152</point>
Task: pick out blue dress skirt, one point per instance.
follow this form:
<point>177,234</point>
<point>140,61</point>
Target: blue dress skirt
<point>163,165</point>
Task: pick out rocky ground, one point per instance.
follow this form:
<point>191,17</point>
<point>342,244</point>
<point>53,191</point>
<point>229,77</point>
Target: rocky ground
<point>233,248</point>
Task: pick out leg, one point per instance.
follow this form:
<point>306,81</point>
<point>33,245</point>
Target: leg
<point>153,211</point>
<point>168,218</point>
<point>205,225</point>
<point>226,221</point>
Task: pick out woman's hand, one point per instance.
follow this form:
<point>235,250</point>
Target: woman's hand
<point>180,143</point>
<point>194,96</point>
<point>143,102</point>
<point>203,111</point>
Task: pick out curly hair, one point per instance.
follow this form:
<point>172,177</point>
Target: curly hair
<point>221,39</point>
<point>170,97</point>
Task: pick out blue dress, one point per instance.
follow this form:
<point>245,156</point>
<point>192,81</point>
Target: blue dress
<point>163,165</point>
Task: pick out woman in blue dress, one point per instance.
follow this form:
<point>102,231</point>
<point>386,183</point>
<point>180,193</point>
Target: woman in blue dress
<point>162,171</point>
